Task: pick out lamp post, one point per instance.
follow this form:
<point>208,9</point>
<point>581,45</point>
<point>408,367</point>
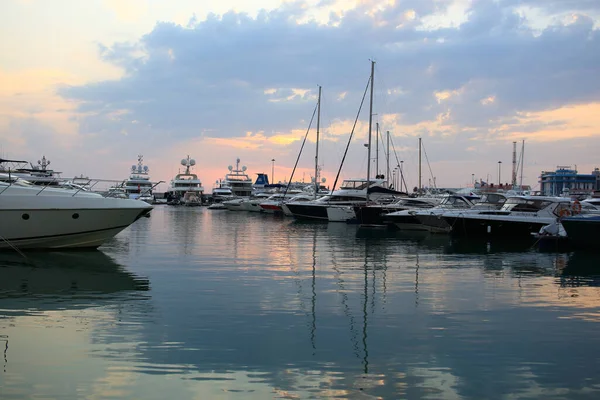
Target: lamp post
<point>499,168</point>
<point>394,179</point>
<point>273,170</point>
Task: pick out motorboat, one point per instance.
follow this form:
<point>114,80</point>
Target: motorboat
<point>138,185</point>
<point>413,219</point>
<point>299,198</point>
<point>35,217</point>
<point>186,188</point>
<point>338,206</point>
<point>434,222</point>
<point>374,214</point>
<point>520,216</point>
<point>274,204</point>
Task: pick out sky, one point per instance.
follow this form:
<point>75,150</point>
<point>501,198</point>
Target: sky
<point>93,84</point>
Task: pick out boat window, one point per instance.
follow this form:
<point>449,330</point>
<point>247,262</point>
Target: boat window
<point>346,198</point>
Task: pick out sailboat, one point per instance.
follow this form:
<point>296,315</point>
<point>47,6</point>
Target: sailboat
<point>338,206</point>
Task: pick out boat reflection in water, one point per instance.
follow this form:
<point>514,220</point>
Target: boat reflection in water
<point>62,274</point>
<point>266,307</point>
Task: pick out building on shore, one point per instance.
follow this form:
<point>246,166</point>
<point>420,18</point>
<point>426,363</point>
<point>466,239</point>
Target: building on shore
<point>566,181</point>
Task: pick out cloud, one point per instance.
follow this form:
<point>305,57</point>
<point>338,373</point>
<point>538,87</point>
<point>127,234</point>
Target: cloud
<point>466,79</point>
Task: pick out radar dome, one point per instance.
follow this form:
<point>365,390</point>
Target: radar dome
<point>323,180</point>
<point>230,168</point>
<point>133,167</point>
<point>145,168</point>
<point>183,161</point>
<point>192,162</point>
<point>244,168</point>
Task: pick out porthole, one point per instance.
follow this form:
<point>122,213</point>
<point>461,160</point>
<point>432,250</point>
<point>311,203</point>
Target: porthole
<point>75,216</point>
<point>25,216</point>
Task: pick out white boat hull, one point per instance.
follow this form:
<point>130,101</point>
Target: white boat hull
<point>340,213</point>
<point>56,229</point>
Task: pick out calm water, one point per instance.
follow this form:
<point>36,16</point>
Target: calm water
<point>201,304</point>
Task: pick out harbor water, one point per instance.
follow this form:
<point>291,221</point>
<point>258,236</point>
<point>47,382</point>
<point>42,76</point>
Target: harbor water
<point>200,304</point>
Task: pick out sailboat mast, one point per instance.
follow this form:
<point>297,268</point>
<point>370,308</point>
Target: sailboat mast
<point>370,127</point>
<point>522,162</point>
<point>387,171</point>
<point>419,164</point>
<point>377,148</point>
<point>317,148</point>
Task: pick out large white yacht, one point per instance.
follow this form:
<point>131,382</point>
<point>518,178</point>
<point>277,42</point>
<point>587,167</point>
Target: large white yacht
<point>36,174</point>
<point>139,186</point>
<point>56,218</point>
<point>238,181</point>
<point>187,186</point>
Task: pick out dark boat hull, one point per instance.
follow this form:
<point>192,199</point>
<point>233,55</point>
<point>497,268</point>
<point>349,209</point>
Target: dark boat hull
<point>492,228</point>
<point>583,232</point>
<point>369,215</point>
<point>405,222</point>
<point>308,211</point>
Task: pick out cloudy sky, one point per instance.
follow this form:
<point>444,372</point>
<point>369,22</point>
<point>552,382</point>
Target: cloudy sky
<point>92,84</point>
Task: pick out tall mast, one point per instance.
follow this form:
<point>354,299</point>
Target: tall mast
<point>419,164</point>
<point>317,151</point>
<point>514,166</point>
<point>522,162</point>
<point>370,127</point>
<point>387,171</point>
<point>377,148</point>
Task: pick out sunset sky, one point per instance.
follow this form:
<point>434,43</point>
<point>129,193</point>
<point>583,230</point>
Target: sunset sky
<point>91,84</point>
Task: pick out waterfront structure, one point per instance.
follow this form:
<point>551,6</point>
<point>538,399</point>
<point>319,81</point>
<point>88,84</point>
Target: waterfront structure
<point>567,181</point>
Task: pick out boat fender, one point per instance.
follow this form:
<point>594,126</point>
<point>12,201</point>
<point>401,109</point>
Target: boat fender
<point>576,207</point>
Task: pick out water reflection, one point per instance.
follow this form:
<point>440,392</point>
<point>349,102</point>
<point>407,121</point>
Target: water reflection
<point>266,307</point>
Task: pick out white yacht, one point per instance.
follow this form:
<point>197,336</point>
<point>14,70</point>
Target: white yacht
<point>238,181</point>
<point>57,218</point>
<point>35,174</point>
<point>139,186</point>
<point>429,219</point>
<point>186,186</point>
<point>520,216</point>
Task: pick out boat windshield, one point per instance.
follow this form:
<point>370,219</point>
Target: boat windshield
<point>525,205</point>
<point>356,185</point>
<point>455,202</point>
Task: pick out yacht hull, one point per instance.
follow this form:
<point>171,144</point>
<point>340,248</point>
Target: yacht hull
<point>309,211</point>
<point>405,222</point>
<point>583,232</point>
<point>434,223</point>
<point>481,227</point>
<point>59,229</point>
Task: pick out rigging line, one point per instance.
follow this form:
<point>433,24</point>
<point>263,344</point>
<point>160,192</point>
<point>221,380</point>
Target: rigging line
<point>398,164</point>
<point>300,153</point>
<point>428,165</point>
<point>351,134</point>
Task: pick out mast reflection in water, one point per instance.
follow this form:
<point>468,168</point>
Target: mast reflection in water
<point>252,305</point>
